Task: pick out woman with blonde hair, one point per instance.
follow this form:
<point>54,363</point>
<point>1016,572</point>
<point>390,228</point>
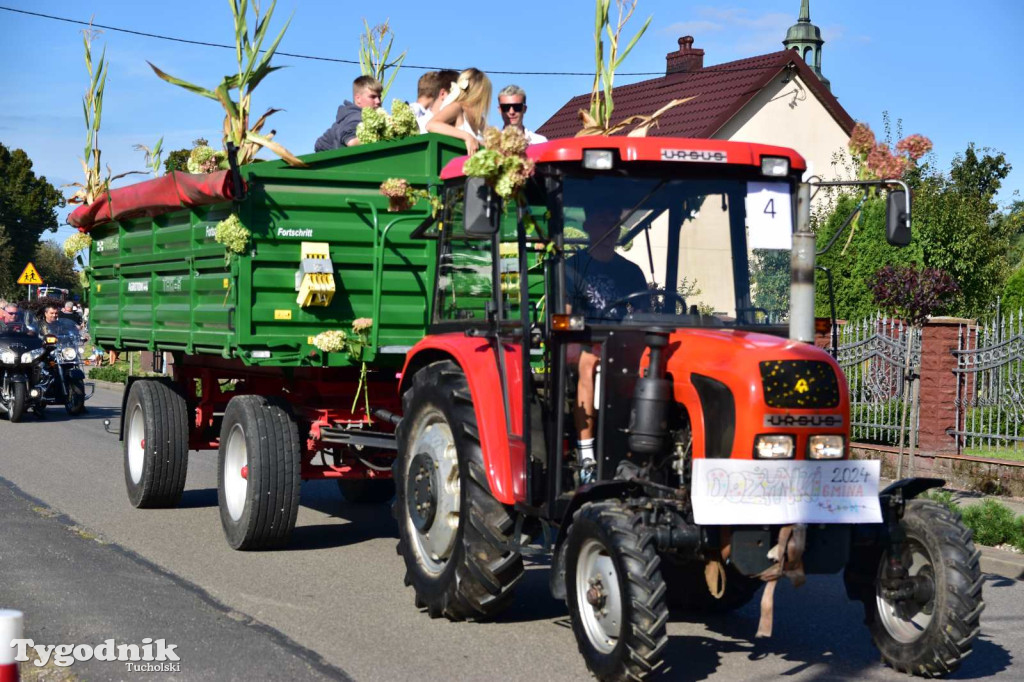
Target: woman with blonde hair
<point>464,113</point>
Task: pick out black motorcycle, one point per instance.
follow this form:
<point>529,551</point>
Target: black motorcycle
<point>20,352</point>
<point>59,376</point>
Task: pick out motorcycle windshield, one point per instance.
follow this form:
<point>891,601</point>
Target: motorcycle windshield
<point>66,332</point>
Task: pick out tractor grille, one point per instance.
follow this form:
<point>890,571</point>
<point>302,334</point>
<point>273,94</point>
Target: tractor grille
<point>807,384</point>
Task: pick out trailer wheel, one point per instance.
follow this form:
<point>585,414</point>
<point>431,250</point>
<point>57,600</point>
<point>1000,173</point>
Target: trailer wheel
<point>75,404</point>
<point>367,490</point>
<point>688,588</point>
<point>18,400</point>
<point>258,473</point>
<point>615,592</point>
<point>930,634</point>
<point>155,445</point>
<point>453,534</point>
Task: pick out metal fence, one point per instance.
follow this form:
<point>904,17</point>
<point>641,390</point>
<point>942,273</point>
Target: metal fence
<point>990,386</point>
<point>873,354</point>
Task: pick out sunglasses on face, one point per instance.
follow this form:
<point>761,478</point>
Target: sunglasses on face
<point>513,106</point>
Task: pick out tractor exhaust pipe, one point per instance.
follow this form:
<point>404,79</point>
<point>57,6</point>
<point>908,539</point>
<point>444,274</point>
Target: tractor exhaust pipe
<point>801,292</point>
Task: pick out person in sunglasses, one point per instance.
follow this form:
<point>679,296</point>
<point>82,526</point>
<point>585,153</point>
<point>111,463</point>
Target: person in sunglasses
<point>512,103</point>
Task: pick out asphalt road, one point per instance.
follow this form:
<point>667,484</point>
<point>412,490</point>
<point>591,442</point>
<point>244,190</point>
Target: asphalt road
<point>84,565</point>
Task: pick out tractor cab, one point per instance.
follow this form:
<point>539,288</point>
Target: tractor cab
<point>681,243</point>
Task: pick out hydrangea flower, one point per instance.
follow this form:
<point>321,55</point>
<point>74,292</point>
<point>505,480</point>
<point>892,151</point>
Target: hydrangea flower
<point>331,341</point>
<point>862,140</point>
<point>203,159</point>
<point>79,241</point>
<point>914,146</point>
<point>232,234</point>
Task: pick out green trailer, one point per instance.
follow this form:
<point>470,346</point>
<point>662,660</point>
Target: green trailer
<point>248,376</point>
<point>162,283</point>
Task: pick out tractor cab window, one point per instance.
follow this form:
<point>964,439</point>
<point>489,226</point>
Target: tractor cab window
<point>670,251</point>
<point>464,284</point>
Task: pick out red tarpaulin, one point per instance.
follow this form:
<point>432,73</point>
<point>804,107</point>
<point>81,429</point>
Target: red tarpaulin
<point>171,192</point>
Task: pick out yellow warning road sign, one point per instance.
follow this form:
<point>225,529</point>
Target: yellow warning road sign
<point>30,275</point>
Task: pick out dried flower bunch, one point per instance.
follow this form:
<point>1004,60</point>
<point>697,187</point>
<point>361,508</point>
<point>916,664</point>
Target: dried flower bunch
<point>502,161</point>
<point>377,125</point>
<point>877,160</point>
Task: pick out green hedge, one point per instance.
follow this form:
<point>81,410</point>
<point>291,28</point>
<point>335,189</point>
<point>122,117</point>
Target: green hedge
<point>992,521</point>
<point>116,375</point>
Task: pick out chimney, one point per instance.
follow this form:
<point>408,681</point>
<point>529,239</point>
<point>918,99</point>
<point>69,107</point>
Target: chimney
<point>686,59</point>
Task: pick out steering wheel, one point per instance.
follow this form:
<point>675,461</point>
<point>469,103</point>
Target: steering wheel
<point>646,292</point>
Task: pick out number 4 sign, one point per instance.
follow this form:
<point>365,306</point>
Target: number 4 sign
<point>769,216</point>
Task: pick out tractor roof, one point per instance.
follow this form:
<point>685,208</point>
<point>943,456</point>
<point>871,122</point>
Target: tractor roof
<point>661,149</point>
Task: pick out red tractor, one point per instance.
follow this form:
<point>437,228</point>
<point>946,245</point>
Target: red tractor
<point>620,362</point>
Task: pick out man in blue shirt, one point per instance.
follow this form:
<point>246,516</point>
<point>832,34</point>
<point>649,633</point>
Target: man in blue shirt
<point>365,95</point>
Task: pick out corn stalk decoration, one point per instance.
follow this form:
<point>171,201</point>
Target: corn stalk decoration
<point>152,157</point>
<point>598,121</point>
<point>92,107</point>
<point>253,67</point>
<point>374,54</point>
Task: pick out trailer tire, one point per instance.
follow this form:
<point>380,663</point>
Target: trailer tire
<point>258,508</point>
<point>935,639</point>
<point>19,398</point>
<point>367,490</point>
<point>155,445</point>
<point>688,588</point>
<point>615,591</point>
<point>463,570</point>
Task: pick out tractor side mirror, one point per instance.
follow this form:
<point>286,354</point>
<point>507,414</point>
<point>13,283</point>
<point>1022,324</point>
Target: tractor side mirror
<point>483,209</point>
<point>897,219</point>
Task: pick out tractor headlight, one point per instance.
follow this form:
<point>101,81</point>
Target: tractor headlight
<point>775,166</point>
<point>68,354</point>
<point>598,159</point>
<point>8,357</point>
<point>825,447</point>
<point>30,356</point>
<point>773,447</point>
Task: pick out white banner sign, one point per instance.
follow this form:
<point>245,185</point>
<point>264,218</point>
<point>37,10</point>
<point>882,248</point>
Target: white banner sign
<point>769,216</point>
<point>731,492</point>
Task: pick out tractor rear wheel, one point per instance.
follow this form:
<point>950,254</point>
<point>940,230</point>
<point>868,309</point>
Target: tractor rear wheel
<point>932,632</point>
<point>615,592</point>
<point>453,534</point>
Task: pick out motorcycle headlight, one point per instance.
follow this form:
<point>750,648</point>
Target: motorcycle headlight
<point>8,357</point>
<point>825,447</point>
<point>68,354</point>
<point>30,356</point>
<point>773,447</point>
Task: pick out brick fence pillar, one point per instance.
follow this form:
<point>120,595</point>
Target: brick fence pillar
<point>938,384</point>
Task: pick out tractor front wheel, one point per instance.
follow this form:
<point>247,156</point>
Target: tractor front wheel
<point>615,592</point>
<point>453,534</point>
<point>931,632</point>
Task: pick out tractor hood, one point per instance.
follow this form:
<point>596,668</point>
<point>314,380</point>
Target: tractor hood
<point>743,384</point>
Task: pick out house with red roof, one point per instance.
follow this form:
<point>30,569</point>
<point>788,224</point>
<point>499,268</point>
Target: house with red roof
<point>780,98</point>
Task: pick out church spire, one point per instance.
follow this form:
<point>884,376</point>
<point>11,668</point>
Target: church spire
<point>805,38</point>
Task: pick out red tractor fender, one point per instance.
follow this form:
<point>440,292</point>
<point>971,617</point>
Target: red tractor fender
<point>476,357</point>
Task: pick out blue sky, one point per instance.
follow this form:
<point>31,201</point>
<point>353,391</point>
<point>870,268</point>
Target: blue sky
<point>950,70</point>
